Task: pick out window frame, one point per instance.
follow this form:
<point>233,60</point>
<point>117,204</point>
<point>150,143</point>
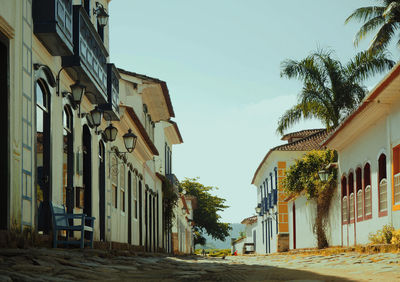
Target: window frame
<point>382,176</point>
<point>395,171</point>
<point>352,203</point>
<point>114,184</point>
<point>122,190</point>
<point>359,188</point>
<point>344,198</point>
<point>367,182</point>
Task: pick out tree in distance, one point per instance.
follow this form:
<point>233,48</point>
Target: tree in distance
<point>330,90</point>
<point>382,20</point>
<point>205,216</point>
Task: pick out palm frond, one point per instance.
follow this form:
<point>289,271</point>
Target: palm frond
<point>390,9</point>
<point>365,13</point>
<point>289,118</point>
<point>367,28</point>
<point>305,70</point>
<point>366,64</point>
<point>383,36</point>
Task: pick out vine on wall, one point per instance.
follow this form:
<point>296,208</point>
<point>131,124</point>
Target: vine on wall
<point>302,177</point>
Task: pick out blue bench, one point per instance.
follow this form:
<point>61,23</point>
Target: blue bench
<point>61,222</point>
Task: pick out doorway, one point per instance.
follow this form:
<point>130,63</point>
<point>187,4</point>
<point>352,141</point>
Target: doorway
<point>4,143</point>
<point>102,191</point>
<point>43,156</point>
<point>129,208</point>
<point>87,170</point>
<point>140,215</point>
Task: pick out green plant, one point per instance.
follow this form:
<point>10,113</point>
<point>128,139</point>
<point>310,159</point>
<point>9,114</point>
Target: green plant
<point>396,238</point>
<point>302,176</point>
<point>206,216</point>
<point>331,90</point>
<point>170,198</point>
<point>382,19</point>
<point>382,236</point>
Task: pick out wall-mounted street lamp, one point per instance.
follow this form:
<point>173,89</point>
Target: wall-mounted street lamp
<point>258,209</point>
<point>323,175</point>
<point>102,16</point>
<point>96,115</point>
<point>77,92</point>
<point>129,141</point>
<point>110,133</point>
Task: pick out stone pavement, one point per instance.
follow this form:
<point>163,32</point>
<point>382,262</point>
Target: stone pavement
<point>91,265</point>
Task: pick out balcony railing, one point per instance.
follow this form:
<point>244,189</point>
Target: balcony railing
<point>111,108</point>
<point>89,61</point>
<point>275,194</point>
<point>52,24</point>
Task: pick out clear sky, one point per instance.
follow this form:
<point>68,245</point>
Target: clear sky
<point>221,61</point>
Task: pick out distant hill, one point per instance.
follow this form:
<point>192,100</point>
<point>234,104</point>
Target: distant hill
<point>218,244</point>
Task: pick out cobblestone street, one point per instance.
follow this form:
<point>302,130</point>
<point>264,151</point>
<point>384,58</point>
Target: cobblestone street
<point>75,265</point>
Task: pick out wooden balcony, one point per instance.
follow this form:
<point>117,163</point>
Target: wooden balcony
<point>88,64</point>
<point>111,108</point>
<point>52,25</point>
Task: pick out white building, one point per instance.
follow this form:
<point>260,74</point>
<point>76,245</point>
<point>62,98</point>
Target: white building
<point>247,243</point>
<point>368,145</point>
<point>272,232</point>
<point>54,152</point>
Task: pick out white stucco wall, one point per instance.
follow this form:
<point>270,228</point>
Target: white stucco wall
<point>268,167</point>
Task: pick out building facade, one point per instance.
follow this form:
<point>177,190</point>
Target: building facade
<point>368,143</point>
<point>272,232</point>
<point>54,150</point>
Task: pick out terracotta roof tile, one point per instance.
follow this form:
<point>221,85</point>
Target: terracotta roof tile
<point>300,134</point>
<point>249,220</point>
<point>311,142</point>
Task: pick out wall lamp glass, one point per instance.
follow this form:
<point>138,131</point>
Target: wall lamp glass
<point>102,16</point>
<point>110,133</point>
<point>129,141</point>
<point>258,209</point>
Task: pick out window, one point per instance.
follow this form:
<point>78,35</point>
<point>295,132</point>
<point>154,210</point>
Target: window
<point>122,186</point>
<point>344,209</point>
<point>86,6</point>
<point>397,189</point>
<point>67,152</point>
<point>114,181</point>
<point>360,202</point>
<point>134,179</point>
<point>382,185</point>
<point>344,200</point>
<point>367,192</point>
<point>351,197</point>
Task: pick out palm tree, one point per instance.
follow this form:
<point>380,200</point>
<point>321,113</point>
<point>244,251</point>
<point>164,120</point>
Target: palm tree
<point>330,90</point>
<point>384,18</point>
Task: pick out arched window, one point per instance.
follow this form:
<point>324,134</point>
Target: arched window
<point>396,178</point>
<point>68,155</point>
<point>360,198</point>
<point>122,186</point>
<point>367,192</point>
<point>114,181</point>
<point>344,200</point>
<point>351,197</point>
<point>43,158</point>
<point>382,185</point>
